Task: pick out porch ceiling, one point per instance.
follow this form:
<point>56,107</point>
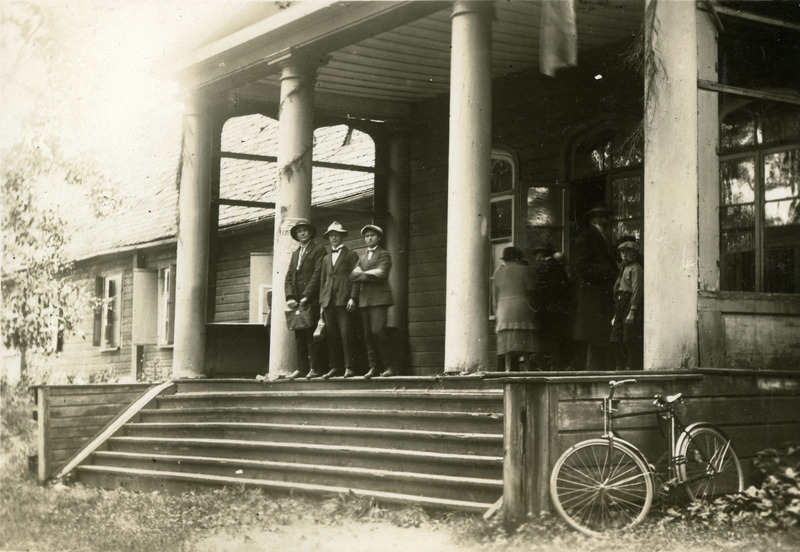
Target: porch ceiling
<point>379,77</point>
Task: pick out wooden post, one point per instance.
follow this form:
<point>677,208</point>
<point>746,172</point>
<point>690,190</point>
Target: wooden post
<point>467,310</point>
<point>194,209</point>
<point>671,187</point>
<point>293,196</point>
<point>137,351</point>
<point>43,422</point>
<point>515,418</point>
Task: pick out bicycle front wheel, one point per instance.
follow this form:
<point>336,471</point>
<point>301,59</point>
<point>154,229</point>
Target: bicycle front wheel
<point>708,464</point>
<point>598,488</point>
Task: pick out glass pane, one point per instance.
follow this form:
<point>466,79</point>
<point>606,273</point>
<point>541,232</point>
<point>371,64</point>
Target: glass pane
<point>782,175</point>
<point>779,271</point>
<point>737,242</point>
<point>780,122</point>
<point>738,129</point>
<point>782,213</point>
<point>738,181</point>
<point>502,176</point>
<point>627,228</point>
<point>737,217</point>
<point>544,206</point>
<point>543,237</point>
<point>502,219</point>
<point>738,271</point>
<point>628,152</point>
<point>627,197</point>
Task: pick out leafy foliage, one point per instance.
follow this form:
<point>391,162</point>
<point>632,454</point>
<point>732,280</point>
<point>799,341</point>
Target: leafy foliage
<point>772,502</point>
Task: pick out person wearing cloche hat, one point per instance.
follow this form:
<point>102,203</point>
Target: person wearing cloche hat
<point>371,276</point>
<point>627,326</point>
<point>338,296</point>
<point>302,290</point>
<point>594,267</point>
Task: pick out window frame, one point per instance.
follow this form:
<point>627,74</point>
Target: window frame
<point>166,306</point>
<point>499,153</point>
<point>103,311</point>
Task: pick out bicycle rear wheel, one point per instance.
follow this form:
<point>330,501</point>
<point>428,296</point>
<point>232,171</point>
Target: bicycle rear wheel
<point>599,488</point>
<point>709,465</point>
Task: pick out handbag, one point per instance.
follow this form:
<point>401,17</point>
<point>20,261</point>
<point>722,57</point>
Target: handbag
<point>298,319</point>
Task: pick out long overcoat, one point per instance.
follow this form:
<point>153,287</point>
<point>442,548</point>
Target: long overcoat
<point>512,290</point>
<point>595,270</point>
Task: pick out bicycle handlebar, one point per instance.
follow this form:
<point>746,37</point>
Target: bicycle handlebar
<point>613,384</point>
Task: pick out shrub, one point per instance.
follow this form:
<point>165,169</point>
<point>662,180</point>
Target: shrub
<point>773,501</point>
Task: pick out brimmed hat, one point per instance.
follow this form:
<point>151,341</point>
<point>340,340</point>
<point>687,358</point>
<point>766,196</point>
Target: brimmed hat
<point>600,208</point>
<point>334,227</point>
<point>512,254</point>
<point>299,224</point>
<point>372,227</point>
<point>628,245</point>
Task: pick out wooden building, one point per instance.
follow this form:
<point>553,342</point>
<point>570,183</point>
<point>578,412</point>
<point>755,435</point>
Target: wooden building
<point>487,131</point>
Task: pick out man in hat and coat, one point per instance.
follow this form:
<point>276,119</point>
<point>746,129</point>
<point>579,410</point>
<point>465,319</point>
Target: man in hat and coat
<point>371,275</point>
<point>594,270</point>
<point>338,297</point>
<point>302,289</point>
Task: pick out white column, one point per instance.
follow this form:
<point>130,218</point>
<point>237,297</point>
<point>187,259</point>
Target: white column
<point>293,197</point>
<point>467,312</point>
<point>194,208</point>
<point>671,189</point>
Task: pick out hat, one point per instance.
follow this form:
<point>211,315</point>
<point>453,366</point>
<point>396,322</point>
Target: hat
<point>373,228</point>
<point>628,245</point>
<point>600,208</point>
<point>335,227</point>
<point>511,254</point>
<point>299,224</point>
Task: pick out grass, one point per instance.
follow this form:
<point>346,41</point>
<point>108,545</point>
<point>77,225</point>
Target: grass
<point>78,518</point>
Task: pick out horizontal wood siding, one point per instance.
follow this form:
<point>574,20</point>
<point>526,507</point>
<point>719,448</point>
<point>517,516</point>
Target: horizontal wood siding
<point>74,414</point>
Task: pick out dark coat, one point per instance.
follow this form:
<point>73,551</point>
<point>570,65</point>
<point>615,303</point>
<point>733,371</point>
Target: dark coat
<point>552,299</point>
<point>336,288</point>
<point>595,270</point>
<point>304,281</point>
<point>373,286</point>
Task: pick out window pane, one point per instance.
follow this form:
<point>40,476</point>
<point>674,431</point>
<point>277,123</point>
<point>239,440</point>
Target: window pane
<point>737,217</point>
<point>627,228</point>
<point>502,219</point>
<point>781,122</point>
<point>544,206</point>
<point>738,181</point>
<point>782,175</point>
<point>627,197</point>
<point>627,153</point>
<point>738,271</point>
<point>502,176</point>
<point>738,129</point>
<point>539,236</point>
<point>780,270</point>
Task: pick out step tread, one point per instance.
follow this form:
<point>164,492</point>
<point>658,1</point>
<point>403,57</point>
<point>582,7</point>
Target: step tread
<point>448,414</point>
<point>310,428</point>
<point>372,451</point>
<point>306,467</point>
<point>220,479</point>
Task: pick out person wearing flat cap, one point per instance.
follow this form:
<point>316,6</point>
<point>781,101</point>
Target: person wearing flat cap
<point>371,276</point>
<point>627,327</point>
<point>338,297</point>
<point>302,288</point>
<point>594,269</point>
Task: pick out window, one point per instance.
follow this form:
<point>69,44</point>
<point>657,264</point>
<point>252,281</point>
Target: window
<point>544,218</point>
<point>502,209</point>
<point>759,215</point>
<point>154,306</point>
<point>107,321</point>
<point>166,305</point>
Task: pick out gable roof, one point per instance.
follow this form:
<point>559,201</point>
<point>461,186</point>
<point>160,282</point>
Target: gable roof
<point>149,215</point>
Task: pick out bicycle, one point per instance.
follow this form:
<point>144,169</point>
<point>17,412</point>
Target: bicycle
<point>606,484</point>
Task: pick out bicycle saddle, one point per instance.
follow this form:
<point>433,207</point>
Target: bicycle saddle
<point>669,399</point>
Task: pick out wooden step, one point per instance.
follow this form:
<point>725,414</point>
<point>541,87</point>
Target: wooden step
<point>439,486</point>
<point>443,463</point>
<point>458,421</point>
<point>141,479</point>
<point>400,383</point>
<point>467,401</point>
<point>409,439</point>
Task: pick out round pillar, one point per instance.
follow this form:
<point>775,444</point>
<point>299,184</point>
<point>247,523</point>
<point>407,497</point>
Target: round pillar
<point>467,312</point>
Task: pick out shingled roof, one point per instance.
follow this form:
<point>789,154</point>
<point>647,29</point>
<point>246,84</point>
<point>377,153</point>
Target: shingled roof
<point>150,215</point>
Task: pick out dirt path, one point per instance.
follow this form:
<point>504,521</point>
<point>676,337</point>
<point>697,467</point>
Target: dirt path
<point>367,537</point>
